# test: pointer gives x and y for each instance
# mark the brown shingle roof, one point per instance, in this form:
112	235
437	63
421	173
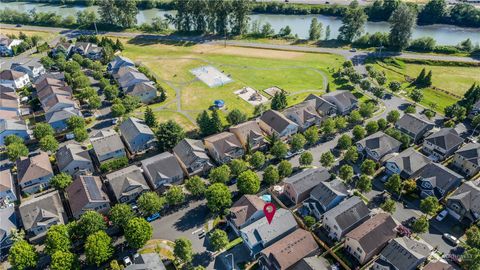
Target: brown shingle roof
85	189
33	167
245	207
11	75
276	120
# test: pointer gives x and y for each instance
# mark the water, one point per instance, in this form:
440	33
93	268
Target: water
444	34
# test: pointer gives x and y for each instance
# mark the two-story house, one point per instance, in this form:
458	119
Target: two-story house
7	44
163	169
464	203
442	143
131	77
73	159
344	101
138	137
378	145
303	114
13	127
298	186
467	159
224	147
89	50
32	67
107	145
322	106
40	213
324	197
436	180
192	157
7	188
86	194
117	63
342	218
145	91
413	126
370	237
403	254
9	223
14	79
245	211
407	163
260	234
34	173
250	134
127	184
275	123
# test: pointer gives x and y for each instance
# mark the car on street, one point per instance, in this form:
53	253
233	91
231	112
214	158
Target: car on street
69	136
153	217
18	25
127	261
353	50
450	238
87	114
441	216
291	154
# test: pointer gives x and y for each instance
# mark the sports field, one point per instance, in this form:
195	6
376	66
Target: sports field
297	73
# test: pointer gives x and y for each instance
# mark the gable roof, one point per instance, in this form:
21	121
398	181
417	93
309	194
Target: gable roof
307	179
189	150
85	189
304	111
291	249
245	207
437	265
126	180
325	192
224	142
146	261
69	153
380	143
469	195
40	210
312	263
471	152
33	167
374	232
439	176
106	141
6	181
11	75
348	212
8	221
132	127
276	120
162	166
140	88
248	131
341	98
405	253
321	105
410	161
413	123
6	124
62	115
445	138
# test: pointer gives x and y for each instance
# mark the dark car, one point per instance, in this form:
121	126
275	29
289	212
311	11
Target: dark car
18	25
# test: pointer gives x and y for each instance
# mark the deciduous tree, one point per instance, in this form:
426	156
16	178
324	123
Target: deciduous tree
271	175
218	197
196	186
175	195
220	174
285	169
183	250
248	182
346	173
327	159
137	232
61	181
150	203
120	214
98	248
22	255
306	158
218	239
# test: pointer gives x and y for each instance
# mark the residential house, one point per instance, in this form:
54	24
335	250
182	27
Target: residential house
117	63
378	145
370	237
245	211
40	213
162	170
342	218
192	157
467	159
8	222
131	78
303	114
48	80
9	104
7	44
223	147
442	143
122	71
250	134
464	203
33	68
322	106
34	173
63	47
313	263
107	145
73	159
403	254
89	50
324	197
437	180
146	91
407	163
58	120
344	101
138	137
413	126
298	186
85	194
275	123
437	265
55	104
13	127
146	261
127	184
14	79
289	251
260	235
7	187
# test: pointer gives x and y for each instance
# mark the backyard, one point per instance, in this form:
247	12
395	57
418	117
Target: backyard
295	72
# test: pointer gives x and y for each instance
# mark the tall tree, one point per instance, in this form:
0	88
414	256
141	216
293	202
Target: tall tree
22	255
149	117
216	122
108	11
240	16
315	31
433	12
352	22
402	22
137	232
98	248
63	260
279	101
168	135
236	116
218	239
150	203
61	181
183	250
127	13
120	214
218	197
248	182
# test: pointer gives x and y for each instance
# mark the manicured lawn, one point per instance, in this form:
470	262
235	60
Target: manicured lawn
163	116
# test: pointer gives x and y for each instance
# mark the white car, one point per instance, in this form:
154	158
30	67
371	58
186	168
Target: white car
441	216
450	238
127	261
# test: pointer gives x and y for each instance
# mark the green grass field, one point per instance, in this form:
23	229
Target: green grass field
296	72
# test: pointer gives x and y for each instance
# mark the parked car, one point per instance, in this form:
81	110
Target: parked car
353	50
87	114
291	154
384	178
69	136
441	216
450	238
153	217
127	261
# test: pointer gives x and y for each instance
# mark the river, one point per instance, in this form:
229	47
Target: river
444	34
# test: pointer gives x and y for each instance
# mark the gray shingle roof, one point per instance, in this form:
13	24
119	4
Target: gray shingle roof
69	153
42	209
33	167
341	98
188	151
127	180
132	127
63	114
380	143
85	189
412	123
8	221
321	105
470	152
410	161
445	138
12	125
348	212
325	192
140	88
162	166
304	111
276	120
245	207
469	194
106	141
440	176
405	253
307	179
224	143
147	261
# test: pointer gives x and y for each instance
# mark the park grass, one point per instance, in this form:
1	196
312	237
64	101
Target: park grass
45	35
163	116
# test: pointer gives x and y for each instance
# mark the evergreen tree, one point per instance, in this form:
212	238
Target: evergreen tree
216	122
402	22
204	123
327	32
315	30
149	117
279	101
421	77
352	22
428	79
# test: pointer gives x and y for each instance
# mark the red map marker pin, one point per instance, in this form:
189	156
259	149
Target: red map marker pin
269	211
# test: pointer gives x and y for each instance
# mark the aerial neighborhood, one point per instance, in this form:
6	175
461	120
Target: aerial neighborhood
128	145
